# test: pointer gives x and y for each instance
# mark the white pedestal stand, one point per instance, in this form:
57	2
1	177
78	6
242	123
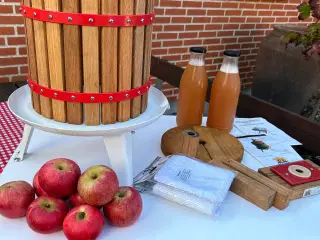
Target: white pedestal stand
117	137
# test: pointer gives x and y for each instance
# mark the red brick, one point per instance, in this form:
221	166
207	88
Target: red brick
230	26
212	4
172	57
159	11
229	5
249	13
13	61
228	40
167	35
263	26
2	41
162	20
192	42
254	19
21	30
194	27
233	12
211	41
19	78
174	28
7	52
238	19
257	32
175	11
264	13
192	4
161	51
6	9
181	19
268	19
170	3
247	26
246	6
234	46
213	26
220	19
22	51
215	12
201	19
291	14
172	43
262	6
290	7
177	50
277	6
24	69
279	13
282	19
245	39
157	28
188	35
156	44
6	30
225	33
241	33
247	45
8	71
196	12
182	64
4	79
11	19
207	34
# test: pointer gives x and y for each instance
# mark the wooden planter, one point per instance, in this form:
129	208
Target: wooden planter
71	57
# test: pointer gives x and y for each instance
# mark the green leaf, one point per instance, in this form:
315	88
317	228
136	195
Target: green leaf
304	11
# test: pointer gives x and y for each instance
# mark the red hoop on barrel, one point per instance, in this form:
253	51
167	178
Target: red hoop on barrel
81	19
88	97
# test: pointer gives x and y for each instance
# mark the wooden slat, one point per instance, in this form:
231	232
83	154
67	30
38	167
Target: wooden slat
73	62
138	53
40	37
90	45
125	60
283	196
147	55
109	62
32	62
56	63
244	186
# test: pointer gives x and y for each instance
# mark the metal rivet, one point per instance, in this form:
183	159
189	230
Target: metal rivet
55	94
50	16
129	21
91	20
127	95
92	98
25	11
287	174
31	85
70	19
110	98
73	97
142	20
41	90
139	93
20	9
111	21
34	14
311	169
151	19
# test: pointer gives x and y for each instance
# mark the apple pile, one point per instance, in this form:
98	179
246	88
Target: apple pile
59	180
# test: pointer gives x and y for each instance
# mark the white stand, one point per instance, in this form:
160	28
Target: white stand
117	137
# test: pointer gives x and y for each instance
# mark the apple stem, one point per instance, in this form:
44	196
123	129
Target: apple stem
81	215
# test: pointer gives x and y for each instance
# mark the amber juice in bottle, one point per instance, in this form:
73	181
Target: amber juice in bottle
193	88
225	93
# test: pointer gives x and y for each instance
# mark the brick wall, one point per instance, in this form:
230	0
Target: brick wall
217	25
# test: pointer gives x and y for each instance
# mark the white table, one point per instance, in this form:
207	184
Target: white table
162	219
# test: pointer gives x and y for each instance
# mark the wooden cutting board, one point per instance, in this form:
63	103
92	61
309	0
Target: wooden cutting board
213	145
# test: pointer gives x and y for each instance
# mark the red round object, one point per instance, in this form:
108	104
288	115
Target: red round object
81	19
88	97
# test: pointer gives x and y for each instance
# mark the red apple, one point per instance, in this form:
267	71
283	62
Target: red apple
75	200
125	207
59	177
15	198
39	191
83	223
45	214
97	185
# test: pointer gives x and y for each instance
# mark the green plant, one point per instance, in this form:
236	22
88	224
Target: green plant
310	39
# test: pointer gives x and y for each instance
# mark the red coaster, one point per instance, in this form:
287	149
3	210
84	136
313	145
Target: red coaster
297	172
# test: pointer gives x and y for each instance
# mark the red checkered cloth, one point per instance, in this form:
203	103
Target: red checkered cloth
11	130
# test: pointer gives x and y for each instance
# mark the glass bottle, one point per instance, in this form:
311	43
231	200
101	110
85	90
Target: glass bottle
193	89
225	93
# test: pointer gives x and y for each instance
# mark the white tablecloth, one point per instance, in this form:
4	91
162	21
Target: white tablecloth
161	219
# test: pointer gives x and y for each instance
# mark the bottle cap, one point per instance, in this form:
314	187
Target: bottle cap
198	50
232	53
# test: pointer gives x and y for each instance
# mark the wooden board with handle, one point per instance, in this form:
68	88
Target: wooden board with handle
73	62
40	37
138	53
125	60
109	62
91	69
32	61
56	63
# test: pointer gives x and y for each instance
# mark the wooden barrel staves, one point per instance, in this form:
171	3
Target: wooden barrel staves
89	60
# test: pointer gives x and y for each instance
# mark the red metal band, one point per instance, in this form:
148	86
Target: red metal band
88	97
87	19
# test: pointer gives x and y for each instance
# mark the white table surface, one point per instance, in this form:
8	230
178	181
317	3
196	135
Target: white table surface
162	219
